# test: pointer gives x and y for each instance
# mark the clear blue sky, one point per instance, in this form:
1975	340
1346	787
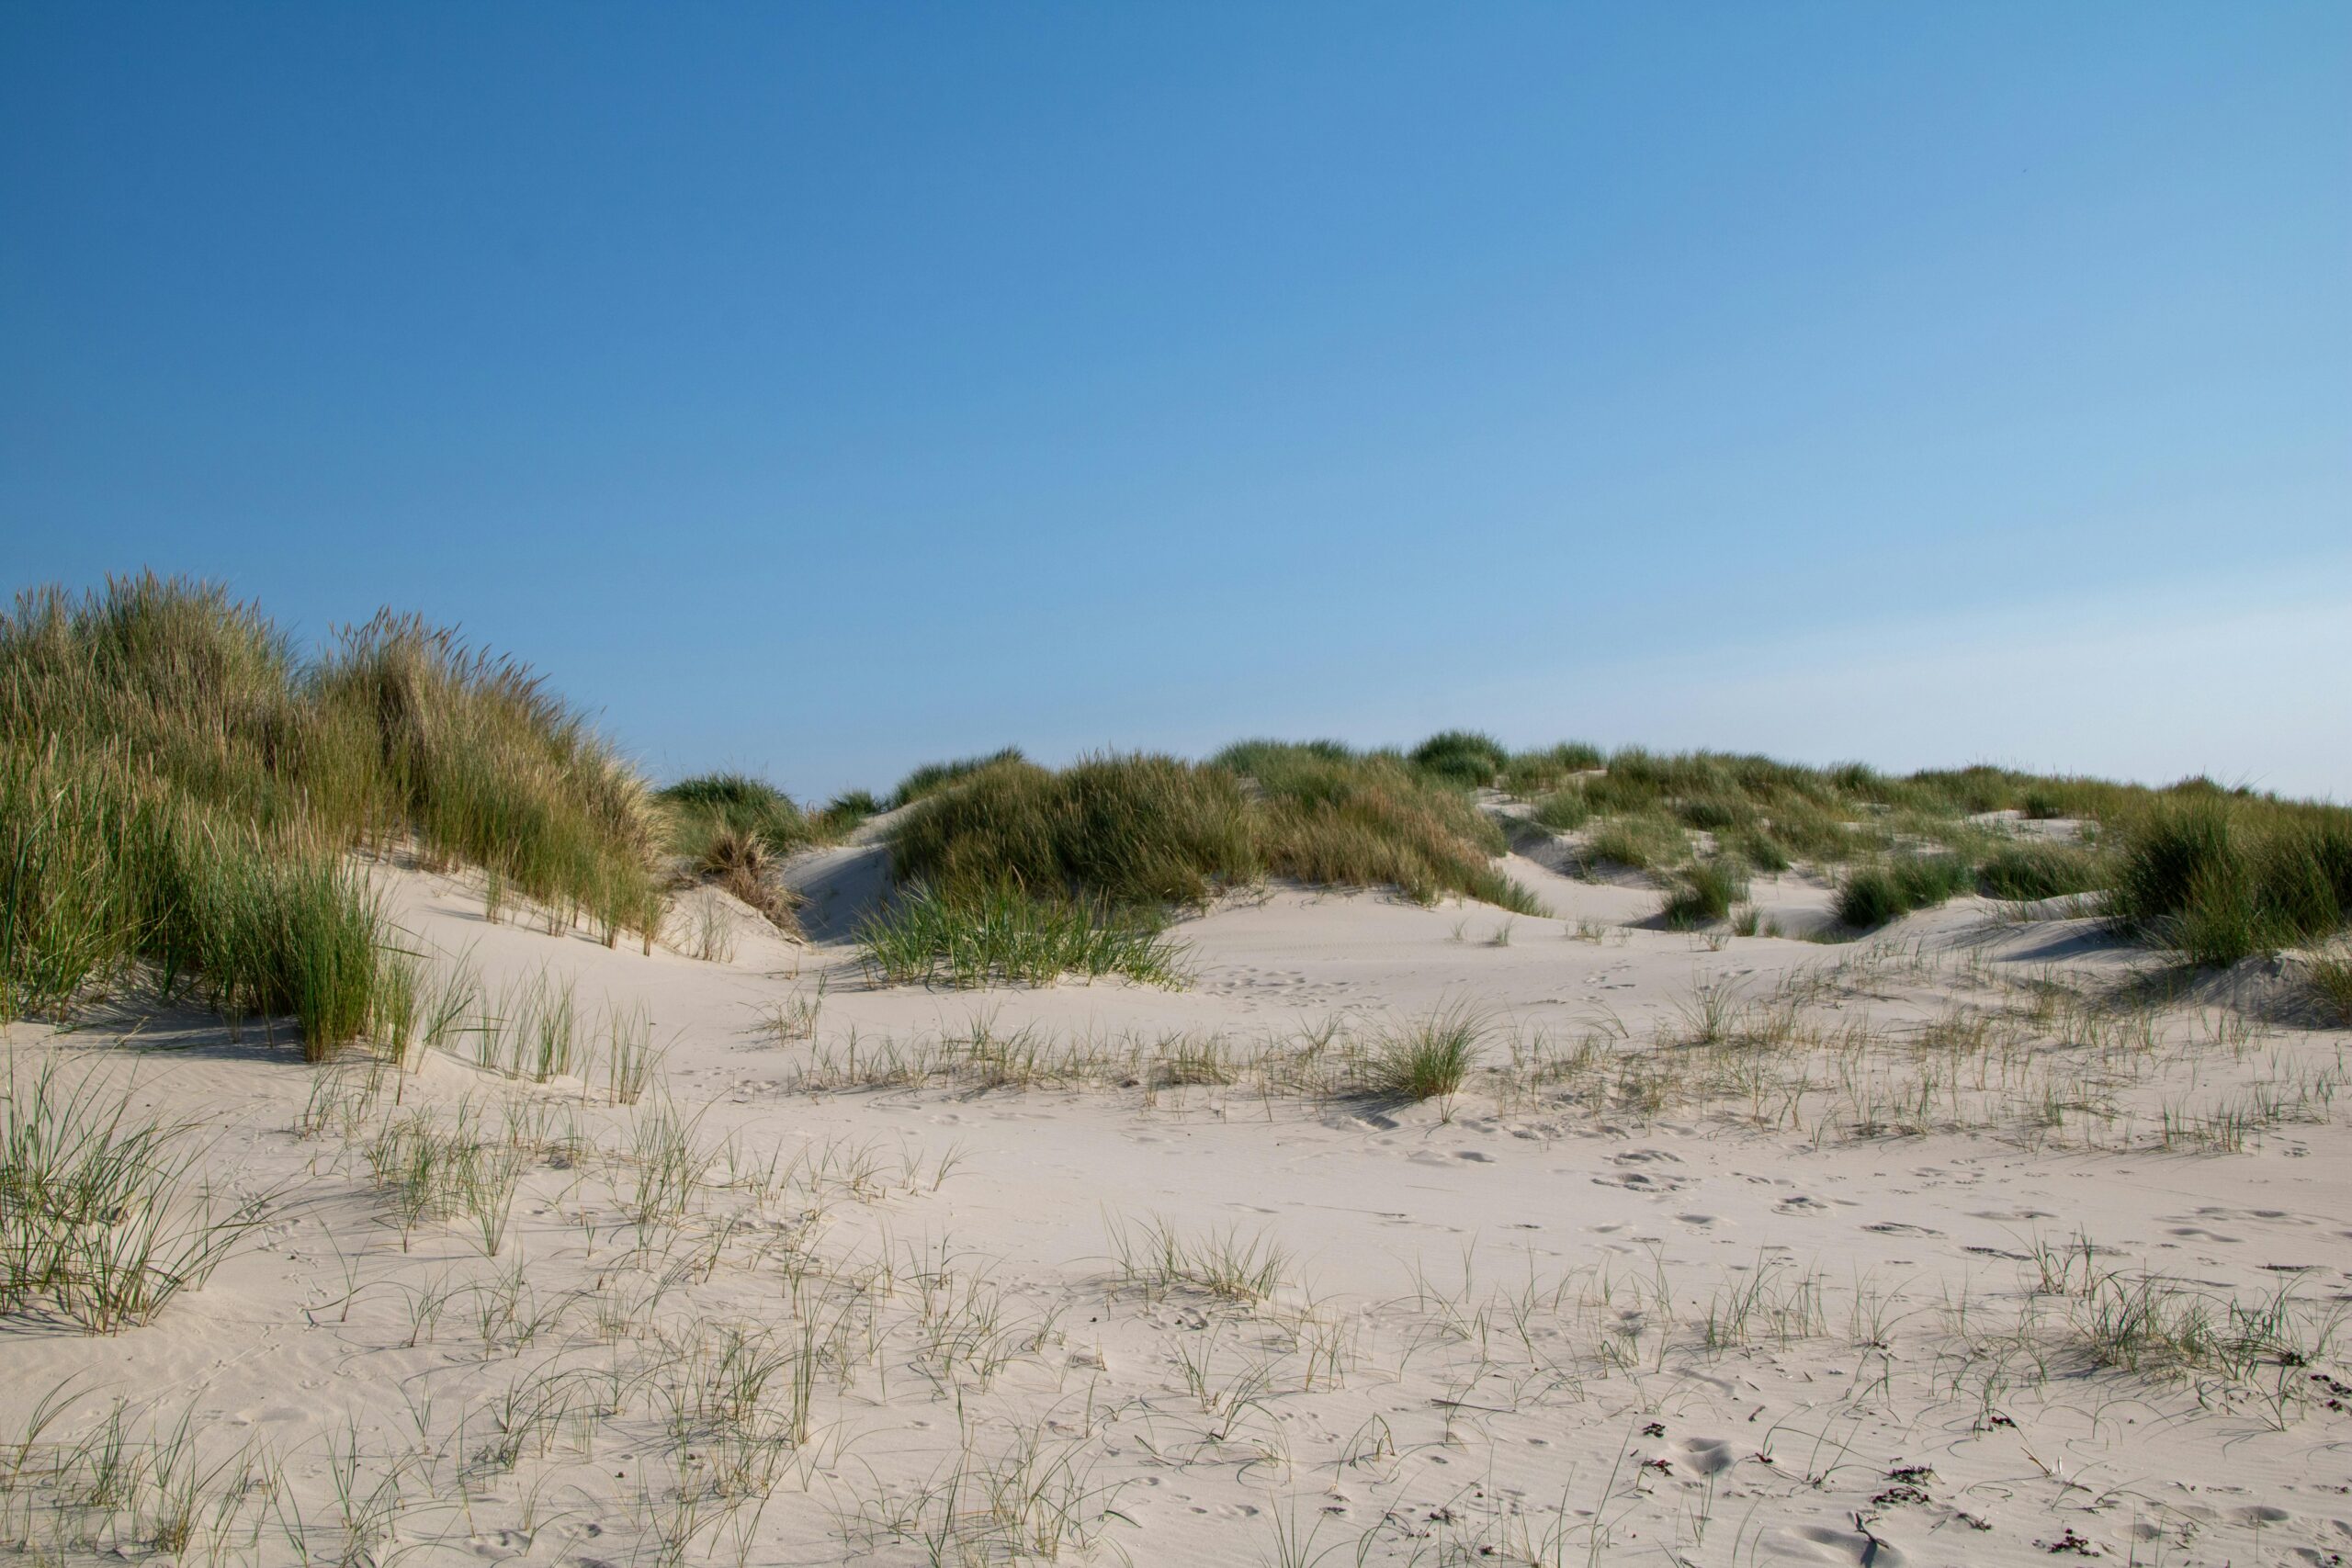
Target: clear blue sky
822	389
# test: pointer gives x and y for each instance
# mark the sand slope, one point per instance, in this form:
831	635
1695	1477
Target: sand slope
1745	1251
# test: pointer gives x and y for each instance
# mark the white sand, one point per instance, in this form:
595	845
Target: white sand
1491	1340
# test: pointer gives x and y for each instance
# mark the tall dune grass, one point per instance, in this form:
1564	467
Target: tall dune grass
178	791
1138	830
2220	879
933	777
1156	830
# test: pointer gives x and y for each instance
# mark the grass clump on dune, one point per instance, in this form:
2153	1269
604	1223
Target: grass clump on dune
732	829
986	935
933	777
1877	894
1463	757
1141	830
486	766
1702	894
1563	811
1636	843
1145	833
1356	821
1138	830
2030	871
2218	880
1429	1058
708	806
2331	985
178	791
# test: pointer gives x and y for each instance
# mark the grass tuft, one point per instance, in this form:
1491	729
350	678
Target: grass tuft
1429	1058
970	937
1703	894
1877	894
2029	871
2331	984
2218	879
1465	758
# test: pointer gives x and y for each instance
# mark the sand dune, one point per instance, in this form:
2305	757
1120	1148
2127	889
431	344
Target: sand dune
1948	1246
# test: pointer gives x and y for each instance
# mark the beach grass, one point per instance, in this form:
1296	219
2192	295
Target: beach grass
968	937
1703	894
179	791
1873	895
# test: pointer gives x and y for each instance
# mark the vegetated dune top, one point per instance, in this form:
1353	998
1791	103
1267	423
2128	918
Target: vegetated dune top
1681	1262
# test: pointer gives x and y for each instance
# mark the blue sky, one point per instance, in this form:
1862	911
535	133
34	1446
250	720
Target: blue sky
821	389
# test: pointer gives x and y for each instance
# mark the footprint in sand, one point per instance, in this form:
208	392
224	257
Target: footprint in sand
1825	1543
1898	1227
1706	1456
1800	1205
1642	1181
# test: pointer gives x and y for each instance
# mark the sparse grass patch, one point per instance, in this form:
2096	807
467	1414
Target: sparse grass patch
1161	1259
2216	872
101	1217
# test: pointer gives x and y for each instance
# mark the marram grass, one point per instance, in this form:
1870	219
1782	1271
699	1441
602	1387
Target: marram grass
970	937
179	793
1144	830
2213	874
